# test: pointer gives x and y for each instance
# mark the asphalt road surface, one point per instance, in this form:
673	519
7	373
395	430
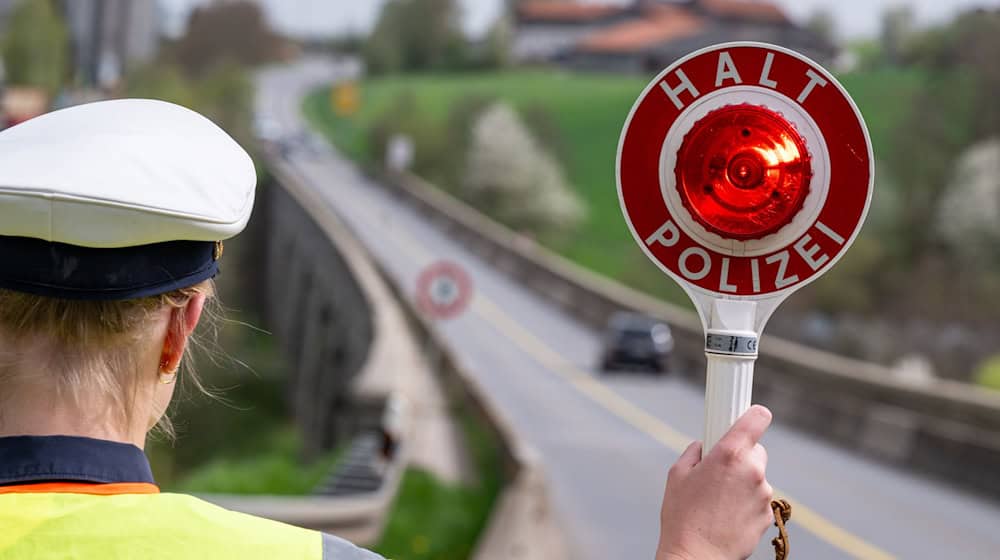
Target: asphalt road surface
607	441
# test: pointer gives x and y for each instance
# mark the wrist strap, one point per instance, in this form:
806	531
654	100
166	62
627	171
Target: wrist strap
782	513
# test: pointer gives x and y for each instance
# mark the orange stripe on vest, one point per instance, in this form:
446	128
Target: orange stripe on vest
82	488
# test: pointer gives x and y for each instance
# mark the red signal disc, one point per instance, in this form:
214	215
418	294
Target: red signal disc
781	247
746	172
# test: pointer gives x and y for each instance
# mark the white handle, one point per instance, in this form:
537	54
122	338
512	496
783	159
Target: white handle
728	385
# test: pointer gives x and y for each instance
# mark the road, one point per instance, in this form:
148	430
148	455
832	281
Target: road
607	441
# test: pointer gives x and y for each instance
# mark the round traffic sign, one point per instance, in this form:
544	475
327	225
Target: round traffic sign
745	170
443	290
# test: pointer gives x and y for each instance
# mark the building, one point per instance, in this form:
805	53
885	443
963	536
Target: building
647	35
549	30
108	36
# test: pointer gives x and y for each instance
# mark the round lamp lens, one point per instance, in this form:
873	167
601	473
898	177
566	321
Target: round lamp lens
743	172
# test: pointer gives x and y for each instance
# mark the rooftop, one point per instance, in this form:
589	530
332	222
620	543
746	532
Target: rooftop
660	24
762	11
566	11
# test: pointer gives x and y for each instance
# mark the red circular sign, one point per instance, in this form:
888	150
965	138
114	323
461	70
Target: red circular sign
745	170
443	290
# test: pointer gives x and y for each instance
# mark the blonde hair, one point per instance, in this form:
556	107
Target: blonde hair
89	347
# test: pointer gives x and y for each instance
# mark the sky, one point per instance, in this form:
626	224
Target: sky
855	18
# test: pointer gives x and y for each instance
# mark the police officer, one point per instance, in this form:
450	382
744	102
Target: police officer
112	217
111	221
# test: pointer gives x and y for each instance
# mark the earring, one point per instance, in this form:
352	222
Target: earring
167	377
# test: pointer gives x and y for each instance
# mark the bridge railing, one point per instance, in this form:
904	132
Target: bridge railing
942	427
346	340
522	523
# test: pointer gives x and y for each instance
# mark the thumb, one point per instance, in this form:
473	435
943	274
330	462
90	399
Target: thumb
689	459
748	429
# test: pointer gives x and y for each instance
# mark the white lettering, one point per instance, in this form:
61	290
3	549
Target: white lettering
809	254
755	274
780	281
765	78
675	93
706	263
726	70
724	285
814	80
830	233
661	235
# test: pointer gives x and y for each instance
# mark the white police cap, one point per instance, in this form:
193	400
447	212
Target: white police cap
118	199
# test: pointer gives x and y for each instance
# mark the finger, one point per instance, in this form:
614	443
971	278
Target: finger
748	429
689	459
757	463
767	491
759	455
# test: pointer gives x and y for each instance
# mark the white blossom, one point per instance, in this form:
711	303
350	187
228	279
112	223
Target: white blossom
969	214
511	176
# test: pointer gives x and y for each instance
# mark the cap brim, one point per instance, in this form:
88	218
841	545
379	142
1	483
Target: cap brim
59	270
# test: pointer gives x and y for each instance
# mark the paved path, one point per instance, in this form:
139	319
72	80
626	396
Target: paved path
607	441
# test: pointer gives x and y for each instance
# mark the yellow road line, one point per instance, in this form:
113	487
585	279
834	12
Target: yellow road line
645	422
805	517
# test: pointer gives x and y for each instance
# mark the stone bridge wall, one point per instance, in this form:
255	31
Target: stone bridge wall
320	317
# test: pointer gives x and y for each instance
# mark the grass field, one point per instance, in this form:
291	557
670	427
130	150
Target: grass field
274	469
433	520
589	111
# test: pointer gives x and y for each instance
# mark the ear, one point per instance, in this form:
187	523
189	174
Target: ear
183	321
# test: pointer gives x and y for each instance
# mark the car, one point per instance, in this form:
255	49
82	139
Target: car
636	340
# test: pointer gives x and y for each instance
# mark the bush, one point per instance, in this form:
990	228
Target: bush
273	469
462	117
431	520
403	117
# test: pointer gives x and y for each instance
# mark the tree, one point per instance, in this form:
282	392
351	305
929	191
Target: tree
414	35
235	30
897	27
35	50
947	271
823	25
975	50
497	45
956	109
514	179
969	219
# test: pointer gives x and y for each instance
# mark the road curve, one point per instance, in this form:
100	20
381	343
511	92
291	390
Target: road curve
607	442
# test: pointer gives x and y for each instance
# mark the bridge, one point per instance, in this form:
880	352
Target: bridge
875	469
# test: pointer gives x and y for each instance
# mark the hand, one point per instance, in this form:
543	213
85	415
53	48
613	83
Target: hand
718	508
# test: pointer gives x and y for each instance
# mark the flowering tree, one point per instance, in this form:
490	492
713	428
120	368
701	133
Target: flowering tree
512	177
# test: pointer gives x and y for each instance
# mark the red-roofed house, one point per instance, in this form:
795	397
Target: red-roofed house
548	30
648	35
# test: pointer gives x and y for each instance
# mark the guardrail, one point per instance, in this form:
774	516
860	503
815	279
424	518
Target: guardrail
943	428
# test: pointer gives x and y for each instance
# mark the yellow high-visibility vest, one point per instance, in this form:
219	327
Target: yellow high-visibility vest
40	525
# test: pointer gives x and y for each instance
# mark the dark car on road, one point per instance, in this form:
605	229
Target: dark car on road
633	340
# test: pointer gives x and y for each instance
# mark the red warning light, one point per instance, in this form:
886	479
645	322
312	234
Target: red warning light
746	172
